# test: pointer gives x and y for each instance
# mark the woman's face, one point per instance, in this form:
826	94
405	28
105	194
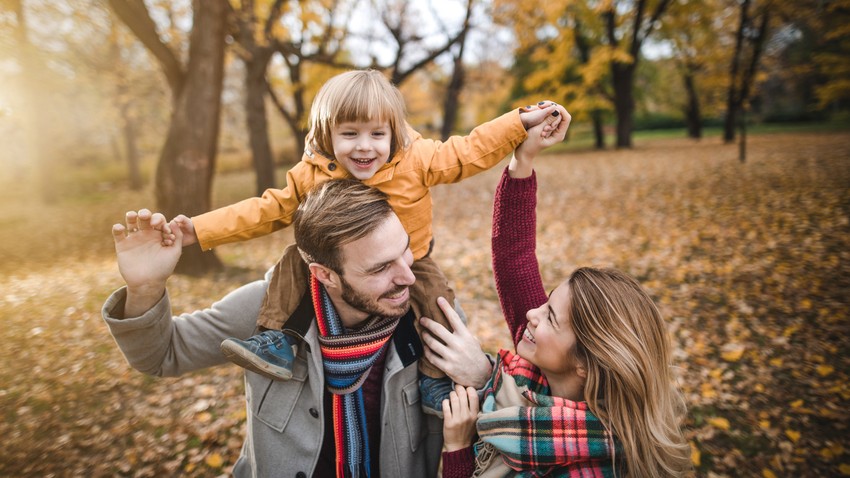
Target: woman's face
548	340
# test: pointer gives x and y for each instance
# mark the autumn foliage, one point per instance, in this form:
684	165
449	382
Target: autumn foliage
749	263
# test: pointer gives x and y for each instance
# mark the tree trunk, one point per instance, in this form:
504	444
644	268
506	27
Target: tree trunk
693	117
598	129
733	101
451	106
257	122
129	131
624	102
742	144
34	105
187	161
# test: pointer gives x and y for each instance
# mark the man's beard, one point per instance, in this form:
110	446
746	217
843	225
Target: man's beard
370	306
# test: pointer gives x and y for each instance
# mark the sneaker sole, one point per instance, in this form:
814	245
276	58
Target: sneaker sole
254	363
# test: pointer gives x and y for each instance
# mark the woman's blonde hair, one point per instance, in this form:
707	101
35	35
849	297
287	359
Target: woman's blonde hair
359	95
623	343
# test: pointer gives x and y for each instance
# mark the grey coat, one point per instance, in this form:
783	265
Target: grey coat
285	419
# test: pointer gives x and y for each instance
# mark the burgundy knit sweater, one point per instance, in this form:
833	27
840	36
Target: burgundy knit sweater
517	275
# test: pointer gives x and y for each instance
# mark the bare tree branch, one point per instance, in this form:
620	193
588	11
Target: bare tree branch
135	15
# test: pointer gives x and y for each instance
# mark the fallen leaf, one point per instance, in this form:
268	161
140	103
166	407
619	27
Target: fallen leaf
719	422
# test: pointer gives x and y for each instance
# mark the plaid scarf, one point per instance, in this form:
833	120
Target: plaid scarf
535	433
347	358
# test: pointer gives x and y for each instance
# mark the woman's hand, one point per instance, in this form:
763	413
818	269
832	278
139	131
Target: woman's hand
460	412
539	138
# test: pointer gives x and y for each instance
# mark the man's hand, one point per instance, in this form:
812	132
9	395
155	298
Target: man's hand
143	261
459	355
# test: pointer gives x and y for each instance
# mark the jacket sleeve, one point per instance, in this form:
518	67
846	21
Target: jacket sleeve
157	343
515	268
256	216
460	157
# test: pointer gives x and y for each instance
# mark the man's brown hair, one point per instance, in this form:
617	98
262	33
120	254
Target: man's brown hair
335	213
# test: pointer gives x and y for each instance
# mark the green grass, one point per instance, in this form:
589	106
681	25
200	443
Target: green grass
581	135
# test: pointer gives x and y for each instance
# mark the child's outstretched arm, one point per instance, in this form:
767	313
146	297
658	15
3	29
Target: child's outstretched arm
539	138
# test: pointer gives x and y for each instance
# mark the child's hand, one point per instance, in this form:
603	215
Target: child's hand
533	115
538	139
186	227
460	412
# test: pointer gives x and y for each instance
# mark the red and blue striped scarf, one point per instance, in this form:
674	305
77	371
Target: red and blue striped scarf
347	358
537	434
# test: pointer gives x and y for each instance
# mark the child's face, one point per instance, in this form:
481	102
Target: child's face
362	147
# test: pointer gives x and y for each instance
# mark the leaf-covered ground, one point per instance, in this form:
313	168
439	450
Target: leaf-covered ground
749	263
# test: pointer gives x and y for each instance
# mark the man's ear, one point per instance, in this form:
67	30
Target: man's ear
326	276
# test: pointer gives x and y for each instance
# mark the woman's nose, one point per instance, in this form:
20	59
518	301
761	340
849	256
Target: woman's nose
531	315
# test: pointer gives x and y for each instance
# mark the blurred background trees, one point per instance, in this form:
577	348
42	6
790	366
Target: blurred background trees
165	94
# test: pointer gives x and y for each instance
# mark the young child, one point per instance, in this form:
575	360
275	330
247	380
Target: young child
358	129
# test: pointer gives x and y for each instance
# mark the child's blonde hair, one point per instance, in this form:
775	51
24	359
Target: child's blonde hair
356	96
622	341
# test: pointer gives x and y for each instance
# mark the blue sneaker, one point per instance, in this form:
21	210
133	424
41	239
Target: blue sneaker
270	354
432	391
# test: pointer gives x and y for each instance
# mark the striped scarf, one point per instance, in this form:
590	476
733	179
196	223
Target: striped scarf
347	358
535	433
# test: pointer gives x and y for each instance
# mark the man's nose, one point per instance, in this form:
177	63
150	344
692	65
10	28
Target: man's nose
405	276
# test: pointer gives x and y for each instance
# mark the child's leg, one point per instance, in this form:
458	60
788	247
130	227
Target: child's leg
430	284
286	287
434	385
272	351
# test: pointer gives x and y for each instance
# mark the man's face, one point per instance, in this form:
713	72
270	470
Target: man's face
376	275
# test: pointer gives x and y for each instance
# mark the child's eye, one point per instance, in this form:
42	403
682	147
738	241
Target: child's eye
379	133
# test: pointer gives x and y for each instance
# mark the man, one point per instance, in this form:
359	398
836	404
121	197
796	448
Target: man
352	406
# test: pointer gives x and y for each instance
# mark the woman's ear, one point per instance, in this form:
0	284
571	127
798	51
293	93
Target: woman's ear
325	275
581	371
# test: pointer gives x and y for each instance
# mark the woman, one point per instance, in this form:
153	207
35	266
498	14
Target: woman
590	390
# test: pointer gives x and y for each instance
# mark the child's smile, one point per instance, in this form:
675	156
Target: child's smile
362	147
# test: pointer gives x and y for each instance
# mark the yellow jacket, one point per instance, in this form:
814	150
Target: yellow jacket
406	179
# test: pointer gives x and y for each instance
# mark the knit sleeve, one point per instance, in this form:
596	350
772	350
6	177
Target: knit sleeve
515	266
458	464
